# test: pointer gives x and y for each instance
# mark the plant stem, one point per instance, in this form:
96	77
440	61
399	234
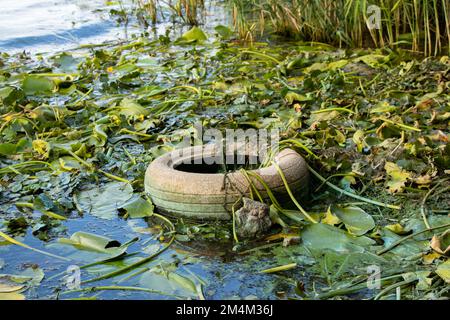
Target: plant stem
396	243
352	195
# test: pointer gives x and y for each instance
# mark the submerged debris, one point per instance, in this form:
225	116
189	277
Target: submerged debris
252	220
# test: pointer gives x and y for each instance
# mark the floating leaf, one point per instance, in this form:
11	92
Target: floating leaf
330	218
356	220
34	85
383	107
397	177
92	242
168	281
138	208
194	35
223	31
443	270
8	285
42	148
7	149
129	107
104	201
397	228
325	237
424	281
11	296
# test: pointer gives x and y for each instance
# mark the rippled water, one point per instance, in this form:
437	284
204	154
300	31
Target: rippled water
49	26
42	25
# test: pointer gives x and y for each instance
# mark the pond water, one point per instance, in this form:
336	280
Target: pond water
39	26
47	26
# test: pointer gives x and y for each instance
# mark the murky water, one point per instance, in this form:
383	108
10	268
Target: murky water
38	26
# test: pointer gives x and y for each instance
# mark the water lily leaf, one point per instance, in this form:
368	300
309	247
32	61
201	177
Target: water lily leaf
405	249
139	208
443	270
383	107
168	281
397	177
194	35
337	64
325	237
66	163
373	60
104	201
292	97
7	149
34	85
430	258
356	220
34	274
99	136
5	92
42	148
224	32
129	107
11	296
66	62
441	244
7	285
95	243
424	281
330	218
397	228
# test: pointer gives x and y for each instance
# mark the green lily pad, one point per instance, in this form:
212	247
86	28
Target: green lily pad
104	201
443	270
356	220
95	243
194	35
325	237
34	85
138	208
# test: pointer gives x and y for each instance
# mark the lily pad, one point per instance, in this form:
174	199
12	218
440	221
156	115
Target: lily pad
443	270
92	242
138	208
325	237
356	220
104	201
194	35
34	85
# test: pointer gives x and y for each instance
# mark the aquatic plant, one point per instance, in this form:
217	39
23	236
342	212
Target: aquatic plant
421	25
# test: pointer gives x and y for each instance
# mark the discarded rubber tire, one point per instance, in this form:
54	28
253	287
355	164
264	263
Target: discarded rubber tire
210	196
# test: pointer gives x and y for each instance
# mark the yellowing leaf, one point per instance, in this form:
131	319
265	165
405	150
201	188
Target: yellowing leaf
397	177
397	228
330	218
443	270
42	148
11	296
429	258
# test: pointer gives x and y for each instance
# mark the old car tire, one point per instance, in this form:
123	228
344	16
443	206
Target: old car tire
212	195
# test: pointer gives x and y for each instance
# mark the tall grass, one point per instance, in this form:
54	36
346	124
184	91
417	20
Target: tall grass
421	25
